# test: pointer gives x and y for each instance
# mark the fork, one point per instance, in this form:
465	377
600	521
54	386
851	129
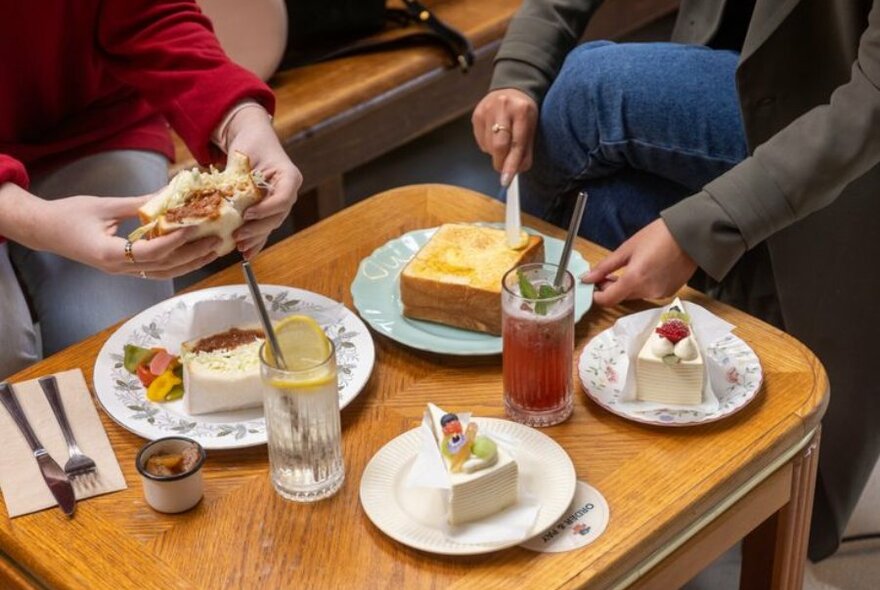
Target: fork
79	463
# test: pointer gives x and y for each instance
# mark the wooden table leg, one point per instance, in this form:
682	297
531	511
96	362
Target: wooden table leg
775	553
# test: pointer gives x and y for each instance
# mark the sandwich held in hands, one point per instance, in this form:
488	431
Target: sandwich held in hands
212	202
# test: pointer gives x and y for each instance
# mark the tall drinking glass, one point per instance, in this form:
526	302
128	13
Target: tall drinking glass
538	344
303	427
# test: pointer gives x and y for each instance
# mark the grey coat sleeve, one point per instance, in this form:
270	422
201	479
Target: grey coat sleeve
537	41
801	169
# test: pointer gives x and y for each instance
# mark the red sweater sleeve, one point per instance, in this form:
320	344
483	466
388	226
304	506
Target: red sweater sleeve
167	50
11	170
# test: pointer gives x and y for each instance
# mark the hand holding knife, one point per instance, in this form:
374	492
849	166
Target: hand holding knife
55	478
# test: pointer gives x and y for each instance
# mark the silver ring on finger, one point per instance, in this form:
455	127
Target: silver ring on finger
498	128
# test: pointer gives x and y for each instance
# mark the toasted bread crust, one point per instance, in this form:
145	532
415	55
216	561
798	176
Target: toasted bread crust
469	302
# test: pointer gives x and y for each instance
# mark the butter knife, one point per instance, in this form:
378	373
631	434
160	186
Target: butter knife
54	476
512	222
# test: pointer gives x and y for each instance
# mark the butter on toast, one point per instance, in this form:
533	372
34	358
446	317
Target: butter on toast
455	279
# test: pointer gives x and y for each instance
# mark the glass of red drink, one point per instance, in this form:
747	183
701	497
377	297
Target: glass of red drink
538	344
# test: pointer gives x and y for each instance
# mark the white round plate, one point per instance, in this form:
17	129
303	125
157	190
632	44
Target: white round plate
124	398
544	468
602	362
376	295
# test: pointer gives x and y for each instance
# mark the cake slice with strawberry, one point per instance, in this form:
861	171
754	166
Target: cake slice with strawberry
669	367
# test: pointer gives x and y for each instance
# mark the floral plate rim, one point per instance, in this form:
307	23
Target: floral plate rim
678	418
225	430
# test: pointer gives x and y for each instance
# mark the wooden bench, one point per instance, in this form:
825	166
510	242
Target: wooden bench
335	116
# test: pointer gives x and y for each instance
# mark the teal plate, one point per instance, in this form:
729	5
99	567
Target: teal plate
376	294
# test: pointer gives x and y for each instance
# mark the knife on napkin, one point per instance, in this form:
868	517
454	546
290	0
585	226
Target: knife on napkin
512	223
55	478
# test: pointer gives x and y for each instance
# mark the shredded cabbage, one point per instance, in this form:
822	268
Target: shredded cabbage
244	358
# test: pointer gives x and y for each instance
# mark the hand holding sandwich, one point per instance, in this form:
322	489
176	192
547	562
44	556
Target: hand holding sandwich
241	204
83	228
250	132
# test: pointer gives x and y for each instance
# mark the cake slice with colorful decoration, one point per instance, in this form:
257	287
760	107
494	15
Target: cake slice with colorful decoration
482	475
669	367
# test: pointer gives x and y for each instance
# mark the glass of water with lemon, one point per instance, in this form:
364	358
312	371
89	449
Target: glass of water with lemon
301	404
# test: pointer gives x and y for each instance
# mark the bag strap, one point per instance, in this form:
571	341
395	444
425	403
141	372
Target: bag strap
434	31
457	44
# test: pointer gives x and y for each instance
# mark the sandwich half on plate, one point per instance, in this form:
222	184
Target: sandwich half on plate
213	202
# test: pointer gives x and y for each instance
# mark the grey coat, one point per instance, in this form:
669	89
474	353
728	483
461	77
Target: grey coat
809	87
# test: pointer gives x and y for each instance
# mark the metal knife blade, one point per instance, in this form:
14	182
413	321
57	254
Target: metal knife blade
58	482
512	223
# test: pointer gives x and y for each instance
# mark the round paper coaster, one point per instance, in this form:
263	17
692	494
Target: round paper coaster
583	522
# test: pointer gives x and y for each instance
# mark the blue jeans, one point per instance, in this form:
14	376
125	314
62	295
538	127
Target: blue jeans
640	126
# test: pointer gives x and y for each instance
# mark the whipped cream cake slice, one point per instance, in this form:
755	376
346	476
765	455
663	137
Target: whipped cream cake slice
669	367
483	476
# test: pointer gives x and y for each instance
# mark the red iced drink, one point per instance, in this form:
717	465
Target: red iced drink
538	336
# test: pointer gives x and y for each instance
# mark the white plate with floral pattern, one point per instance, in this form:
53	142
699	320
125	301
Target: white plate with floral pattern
124	398
604	360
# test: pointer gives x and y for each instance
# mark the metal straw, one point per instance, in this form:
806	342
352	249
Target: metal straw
264	315
573	226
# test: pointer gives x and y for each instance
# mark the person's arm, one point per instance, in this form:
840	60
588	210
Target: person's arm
539	37
801	169
531	55
83	229
166	49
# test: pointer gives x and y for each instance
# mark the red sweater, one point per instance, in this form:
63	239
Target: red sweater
84	76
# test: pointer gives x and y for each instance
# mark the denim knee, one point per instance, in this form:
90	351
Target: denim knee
569	128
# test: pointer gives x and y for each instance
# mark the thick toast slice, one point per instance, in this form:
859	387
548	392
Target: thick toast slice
455	279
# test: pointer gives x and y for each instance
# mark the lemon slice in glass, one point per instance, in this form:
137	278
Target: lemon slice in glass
305	348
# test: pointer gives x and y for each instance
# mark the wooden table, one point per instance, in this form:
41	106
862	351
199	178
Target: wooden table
678	496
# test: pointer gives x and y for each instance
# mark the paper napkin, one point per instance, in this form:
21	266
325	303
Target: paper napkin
24	490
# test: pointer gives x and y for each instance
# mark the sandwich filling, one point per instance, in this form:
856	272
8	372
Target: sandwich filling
204	203
222	371
212	200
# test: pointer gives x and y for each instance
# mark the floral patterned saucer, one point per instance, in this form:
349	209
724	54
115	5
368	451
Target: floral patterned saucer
124	398
603	363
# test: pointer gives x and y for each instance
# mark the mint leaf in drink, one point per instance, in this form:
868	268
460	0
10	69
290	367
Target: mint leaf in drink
547	292
526	288
544	292
528	291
